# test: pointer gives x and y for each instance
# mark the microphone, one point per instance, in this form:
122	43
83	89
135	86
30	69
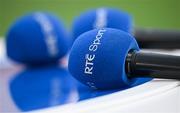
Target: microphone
110	58
156	38
37	38
114	18
101	18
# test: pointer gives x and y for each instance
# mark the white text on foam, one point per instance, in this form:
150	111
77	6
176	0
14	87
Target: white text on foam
91	56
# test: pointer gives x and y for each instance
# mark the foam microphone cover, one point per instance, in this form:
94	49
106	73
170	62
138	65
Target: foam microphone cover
97	58
102	17
37	38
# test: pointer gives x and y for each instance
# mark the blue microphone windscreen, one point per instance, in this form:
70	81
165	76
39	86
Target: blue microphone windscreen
100	18
97	58
37	38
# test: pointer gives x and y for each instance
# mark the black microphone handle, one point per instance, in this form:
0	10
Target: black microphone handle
144	64
158	39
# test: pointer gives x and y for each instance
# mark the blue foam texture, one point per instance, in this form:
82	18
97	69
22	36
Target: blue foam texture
106	63
37	88
113	18
37	38
50	85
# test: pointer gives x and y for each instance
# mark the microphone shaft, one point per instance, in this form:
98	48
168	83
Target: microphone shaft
142	64
161	39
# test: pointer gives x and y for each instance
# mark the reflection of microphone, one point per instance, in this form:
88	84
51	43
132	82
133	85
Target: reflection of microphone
110	58
42	87
113	18
37	38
